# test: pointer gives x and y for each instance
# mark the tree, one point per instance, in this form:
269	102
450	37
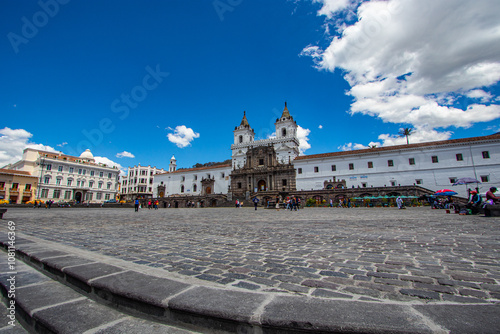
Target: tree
406	132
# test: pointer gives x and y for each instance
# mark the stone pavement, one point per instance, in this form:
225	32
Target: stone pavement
318	268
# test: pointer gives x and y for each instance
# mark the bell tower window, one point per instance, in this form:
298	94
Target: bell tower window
283	132
240	138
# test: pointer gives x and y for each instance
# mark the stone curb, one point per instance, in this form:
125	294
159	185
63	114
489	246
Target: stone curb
225	310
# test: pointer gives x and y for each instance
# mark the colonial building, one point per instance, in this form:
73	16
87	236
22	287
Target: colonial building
17	186
432	165
138	183
271	167
69	178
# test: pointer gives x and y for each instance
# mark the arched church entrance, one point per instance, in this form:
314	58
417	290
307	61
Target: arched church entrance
262	185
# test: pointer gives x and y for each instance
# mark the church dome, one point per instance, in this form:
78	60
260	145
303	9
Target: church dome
87	155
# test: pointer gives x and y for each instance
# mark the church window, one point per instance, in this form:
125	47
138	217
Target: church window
434	159
241	139
299	171
261	162
390	163
284	182
283	132
194	187
370	164
334	168
411	161
351	166
182	189
316	169
239	185
486	154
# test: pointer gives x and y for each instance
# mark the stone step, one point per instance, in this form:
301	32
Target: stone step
66	290
44	305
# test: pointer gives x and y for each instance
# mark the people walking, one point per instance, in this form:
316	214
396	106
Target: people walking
136	205
255	202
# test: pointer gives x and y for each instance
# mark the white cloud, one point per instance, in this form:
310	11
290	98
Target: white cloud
62	144
479	94
320	127
125	154
111	163
408	61
13	142
419	135
303	139
182	136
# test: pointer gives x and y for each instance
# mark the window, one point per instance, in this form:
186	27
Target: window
316	169
83	184
67	194
370	164
183	178
92	173
98	196
57	194
418	181
239	185
27	187
101	174
49	167
46	180
58	181
351	166
71	169
45	193
80	171
411	161
261	162
108	186
91	184
486	154
195	188
196	177
70	182
364	184
434	159
99	185
2	185
107	197
15	186
283	133
151	181
299	171
89	196
78	183
393	183
485	178
110	175
453	179
240	139
390	163
460	157
182	189
283	182
334	168
60	168
84	172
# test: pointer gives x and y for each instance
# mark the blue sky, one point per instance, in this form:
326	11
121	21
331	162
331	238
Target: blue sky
140	81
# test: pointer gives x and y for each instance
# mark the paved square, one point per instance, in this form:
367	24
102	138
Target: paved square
413	255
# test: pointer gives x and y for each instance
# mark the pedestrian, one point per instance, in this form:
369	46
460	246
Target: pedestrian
149	205
331	203
399	202
490	196
255	202
136	205
156	205
237	204
277	203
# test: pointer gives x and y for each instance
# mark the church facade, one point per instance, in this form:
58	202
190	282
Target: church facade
269	167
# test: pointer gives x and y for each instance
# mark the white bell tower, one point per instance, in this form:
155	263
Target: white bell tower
173	164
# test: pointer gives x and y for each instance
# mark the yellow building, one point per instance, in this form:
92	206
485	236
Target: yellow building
17	186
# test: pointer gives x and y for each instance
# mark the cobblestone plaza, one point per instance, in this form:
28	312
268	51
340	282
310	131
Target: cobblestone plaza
413	255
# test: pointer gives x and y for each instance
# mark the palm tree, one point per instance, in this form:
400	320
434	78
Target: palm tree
406	132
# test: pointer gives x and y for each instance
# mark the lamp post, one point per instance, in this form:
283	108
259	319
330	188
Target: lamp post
41	163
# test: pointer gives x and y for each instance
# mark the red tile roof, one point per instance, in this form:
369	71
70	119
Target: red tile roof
15	172
400	147
195	169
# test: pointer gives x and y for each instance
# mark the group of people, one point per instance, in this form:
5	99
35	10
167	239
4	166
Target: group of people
38	204
475	202
151	204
